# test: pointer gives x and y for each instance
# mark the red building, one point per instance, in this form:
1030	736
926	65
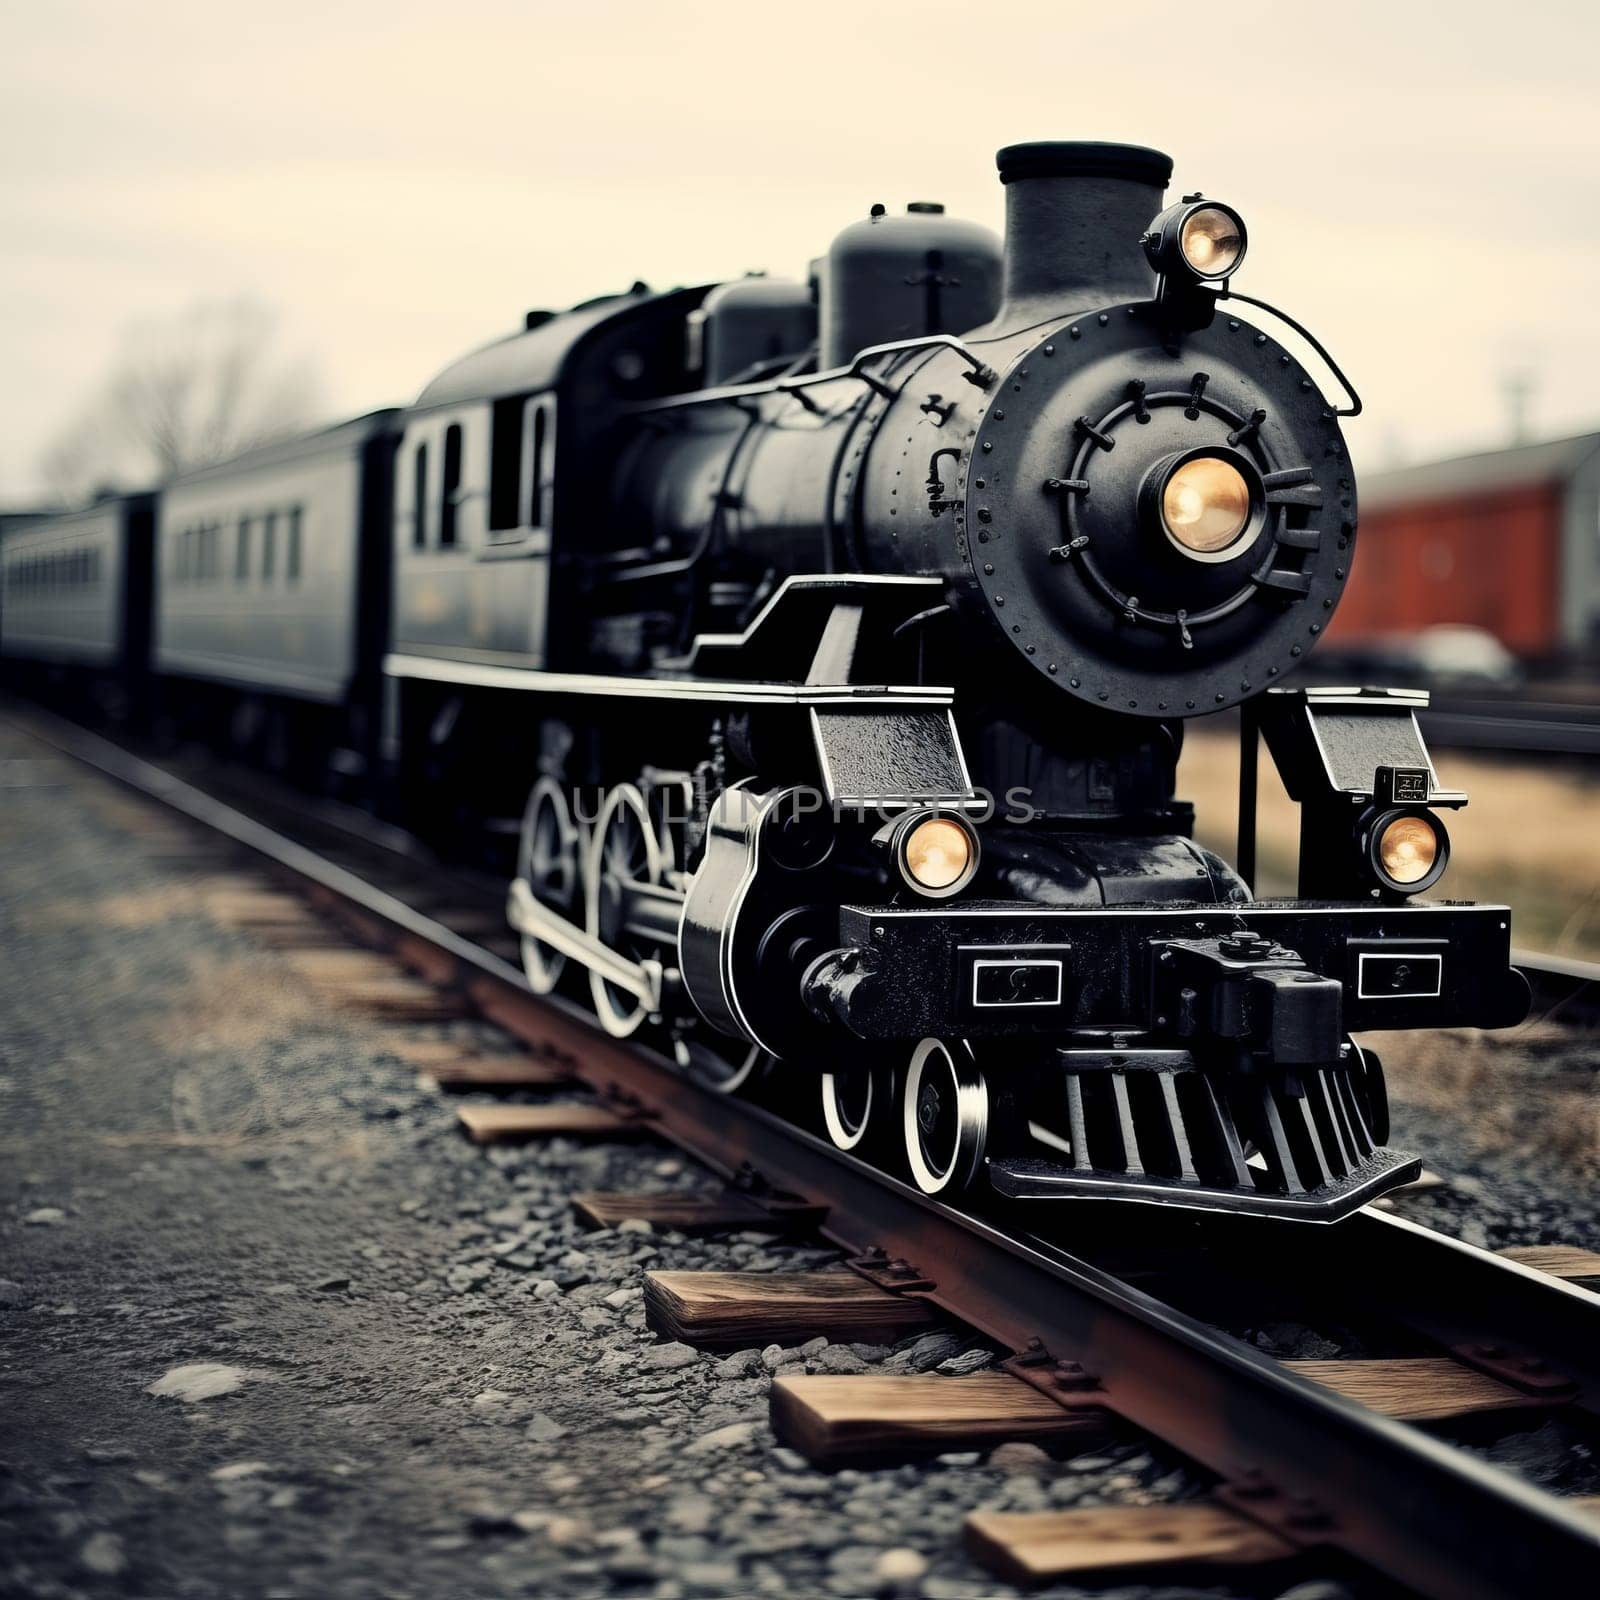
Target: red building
1508	541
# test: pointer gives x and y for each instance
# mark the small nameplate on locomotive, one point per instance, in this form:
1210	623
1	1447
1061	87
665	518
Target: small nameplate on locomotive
1410	786
1401	975
1013	978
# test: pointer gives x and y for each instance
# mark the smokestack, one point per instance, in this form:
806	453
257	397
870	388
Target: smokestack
1075	213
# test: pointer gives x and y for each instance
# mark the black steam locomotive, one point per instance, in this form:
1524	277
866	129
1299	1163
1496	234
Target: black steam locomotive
834	641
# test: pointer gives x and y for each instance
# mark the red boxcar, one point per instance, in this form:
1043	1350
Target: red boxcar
1508	541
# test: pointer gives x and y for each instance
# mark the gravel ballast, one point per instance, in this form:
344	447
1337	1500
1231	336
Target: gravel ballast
269	1327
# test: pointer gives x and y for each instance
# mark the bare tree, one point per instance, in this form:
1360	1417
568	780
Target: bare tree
184	391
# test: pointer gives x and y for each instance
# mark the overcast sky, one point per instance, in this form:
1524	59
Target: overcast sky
402	180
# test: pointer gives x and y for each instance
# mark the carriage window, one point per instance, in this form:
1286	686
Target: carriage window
241	552
450	484
505	463
291	558
419	498
269	544
535	517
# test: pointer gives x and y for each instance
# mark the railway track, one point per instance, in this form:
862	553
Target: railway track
1542	719
1514	727
1513	724
1114	1318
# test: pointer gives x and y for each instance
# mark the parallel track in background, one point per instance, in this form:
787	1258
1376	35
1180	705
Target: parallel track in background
1513	727
1088	1286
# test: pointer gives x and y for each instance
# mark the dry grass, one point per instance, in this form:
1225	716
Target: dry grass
1529	837
1530	1090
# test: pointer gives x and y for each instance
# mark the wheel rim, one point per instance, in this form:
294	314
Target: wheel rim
660	813
624	848
945	1108
847	1107
726	1074
547	860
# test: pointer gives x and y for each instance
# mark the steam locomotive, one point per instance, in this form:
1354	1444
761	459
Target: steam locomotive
833	642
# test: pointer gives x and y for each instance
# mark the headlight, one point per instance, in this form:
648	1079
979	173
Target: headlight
1205	505
937	855
1196	241
1408	850
1212	241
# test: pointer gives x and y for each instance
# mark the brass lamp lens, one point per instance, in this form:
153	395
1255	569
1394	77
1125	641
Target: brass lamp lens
1212	242
938	852
1206	505
1408	848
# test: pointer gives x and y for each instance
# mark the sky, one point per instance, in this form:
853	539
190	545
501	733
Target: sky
402	181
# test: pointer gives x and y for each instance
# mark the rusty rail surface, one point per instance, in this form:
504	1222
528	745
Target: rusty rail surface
1313	1466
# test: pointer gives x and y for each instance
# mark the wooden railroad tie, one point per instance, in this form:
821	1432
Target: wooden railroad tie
1569	1261
399	997
1036	1547
308	934
738	1310
688	1213
1042	1546
1417	1389
257	908
345	964
832	1419
835	1419
373	983
519	1124
453	1066
506	1071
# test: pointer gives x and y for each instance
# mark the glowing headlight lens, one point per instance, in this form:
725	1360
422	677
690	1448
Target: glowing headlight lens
1212	242
1408	848
1206	505
938	853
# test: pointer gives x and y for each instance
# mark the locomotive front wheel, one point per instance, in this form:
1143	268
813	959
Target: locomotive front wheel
848	1104
726	1073
547	861
945	1116
623	851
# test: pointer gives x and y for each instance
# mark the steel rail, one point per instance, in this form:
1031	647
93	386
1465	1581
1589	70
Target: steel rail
1427	1514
